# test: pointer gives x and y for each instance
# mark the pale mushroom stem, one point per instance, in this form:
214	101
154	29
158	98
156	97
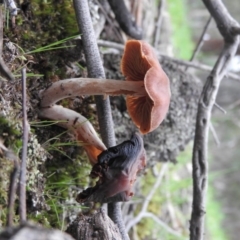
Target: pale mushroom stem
90	86
79	126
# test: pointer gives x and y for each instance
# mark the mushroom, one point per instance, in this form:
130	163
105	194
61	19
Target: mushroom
140	63
147	87
79	126
117	170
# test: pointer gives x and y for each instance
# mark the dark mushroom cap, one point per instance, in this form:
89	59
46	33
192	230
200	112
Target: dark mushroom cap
117	170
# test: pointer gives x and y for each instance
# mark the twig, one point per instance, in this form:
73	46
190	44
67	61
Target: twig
110	44
201	40
147	200
234	104
12	192
225	24
12	183
199	66
220	108
215	136
1	29
125	19
22	188
3	68
159	23
137	10
110	21
161	223
95	70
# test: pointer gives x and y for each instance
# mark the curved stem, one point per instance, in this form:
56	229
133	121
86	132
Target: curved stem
89	86
78	125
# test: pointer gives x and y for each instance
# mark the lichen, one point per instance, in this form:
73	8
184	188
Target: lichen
10	133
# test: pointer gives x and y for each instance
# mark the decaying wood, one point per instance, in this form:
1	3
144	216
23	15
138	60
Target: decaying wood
33	232
94	226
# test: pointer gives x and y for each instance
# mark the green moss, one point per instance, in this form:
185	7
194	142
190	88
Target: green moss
9	133
10	136
53	20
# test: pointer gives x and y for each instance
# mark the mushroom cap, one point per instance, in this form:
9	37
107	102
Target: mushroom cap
140	63
117	170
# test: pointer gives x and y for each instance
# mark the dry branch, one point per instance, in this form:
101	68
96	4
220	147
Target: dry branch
3	67
201	40
227	27
163	57
96	70
12	192
159	23
22	182
125	19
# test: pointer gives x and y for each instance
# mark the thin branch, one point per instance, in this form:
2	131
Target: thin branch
199	66
149	197
234	104
159	23
220	108
201	40
161	223
96	70
125	19
12	183
225	25
109	44
12	192
1	29
22	188
3	68
163	57
110	21
215	136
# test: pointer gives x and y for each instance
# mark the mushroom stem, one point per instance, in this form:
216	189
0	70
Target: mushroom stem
78	125
90	86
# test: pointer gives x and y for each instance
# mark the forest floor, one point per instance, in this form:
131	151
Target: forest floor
57	165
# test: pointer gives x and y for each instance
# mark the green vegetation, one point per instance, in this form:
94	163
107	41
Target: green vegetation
65	174
183	47
181	33
214	217
52	20
11	138
175	191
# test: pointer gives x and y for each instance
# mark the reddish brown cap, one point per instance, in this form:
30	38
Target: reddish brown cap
140	63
